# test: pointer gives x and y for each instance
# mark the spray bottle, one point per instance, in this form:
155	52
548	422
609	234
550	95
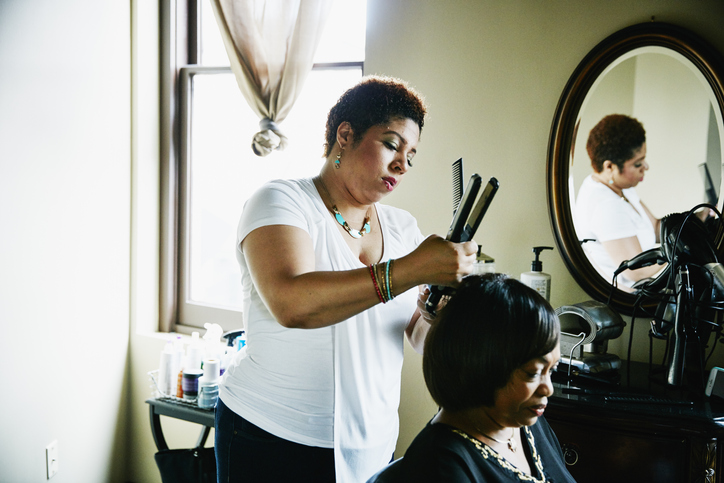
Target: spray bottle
536	278
213	347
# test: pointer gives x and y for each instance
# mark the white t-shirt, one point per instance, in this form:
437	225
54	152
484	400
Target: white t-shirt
334	387
602	215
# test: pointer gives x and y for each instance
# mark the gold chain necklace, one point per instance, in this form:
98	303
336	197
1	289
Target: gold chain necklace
487	451
340	219
510	441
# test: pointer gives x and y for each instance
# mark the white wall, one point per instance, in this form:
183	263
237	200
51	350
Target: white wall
65	192
79	193
672	100
685	118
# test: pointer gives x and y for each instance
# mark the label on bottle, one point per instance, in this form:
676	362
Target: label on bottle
208	396
179	384
542	286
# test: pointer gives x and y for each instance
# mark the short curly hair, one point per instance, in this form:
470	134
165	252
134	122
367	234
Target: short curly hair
374	100
491	326
615	138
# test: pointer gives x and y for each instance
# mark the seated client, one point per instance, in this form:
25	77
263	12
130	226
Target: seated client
487	363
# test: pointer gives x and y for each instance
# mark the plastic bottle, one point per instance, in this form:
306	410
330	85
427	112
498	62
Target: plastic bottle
178	346
536	278
190	383
483	263
178	351
194	353
213	346
192	368
180	384
209	384
191	361
240	341
167	371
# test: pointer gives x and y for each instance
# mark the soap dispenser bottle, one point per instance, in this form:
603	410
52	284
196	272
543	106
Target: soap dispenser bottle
536	278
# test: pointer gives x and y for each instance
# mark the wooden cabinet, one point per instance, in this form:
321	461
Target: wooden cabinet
607	438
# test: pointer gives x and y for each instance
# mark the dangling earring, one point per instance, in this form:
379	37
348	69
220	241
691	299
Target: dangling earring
336	161
610	181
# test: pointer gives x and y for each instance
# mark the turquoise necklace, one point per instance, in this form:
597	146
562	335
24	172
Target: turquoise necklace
342	222
352	232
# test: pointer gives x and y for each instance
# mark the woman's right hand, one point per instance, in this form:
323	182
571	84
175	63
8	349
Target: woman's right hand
298	296
437	261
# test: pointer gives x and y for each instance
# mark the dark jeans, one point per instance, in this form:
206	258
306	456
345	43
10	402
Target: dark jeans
247	453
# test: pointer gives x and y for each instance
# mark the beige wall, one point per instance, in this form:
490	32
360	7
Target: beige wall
492	73
79	193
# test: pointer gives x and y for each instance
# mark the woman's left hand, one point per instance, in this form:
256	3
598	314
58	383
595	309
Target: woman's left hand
424	313
422	320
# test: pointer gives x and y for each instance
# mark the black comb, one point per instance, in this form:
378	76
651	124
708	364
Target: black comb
457	183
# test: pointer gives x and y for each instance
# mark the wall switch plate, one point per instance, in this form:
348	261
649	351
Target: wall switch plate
51	458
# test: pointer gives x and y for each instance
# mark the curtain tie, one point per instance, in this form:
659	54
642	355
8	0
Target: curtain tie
268	139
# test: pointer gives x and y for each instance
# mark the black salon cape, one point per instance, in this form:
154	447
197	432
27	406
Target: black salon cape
439	455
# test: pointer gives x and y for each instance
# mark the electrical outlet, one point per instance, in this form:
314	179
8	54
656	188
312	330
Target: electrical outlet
51	458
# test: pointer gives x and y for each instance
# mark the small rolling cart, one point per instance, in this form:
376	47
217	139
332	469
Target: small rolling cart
192	465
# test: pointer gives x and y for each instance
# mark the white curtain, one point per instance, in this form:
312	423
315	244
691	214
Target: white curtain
271	45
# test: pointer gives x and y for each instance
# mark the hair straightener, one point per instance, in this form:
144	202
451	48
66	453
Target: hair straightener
465	222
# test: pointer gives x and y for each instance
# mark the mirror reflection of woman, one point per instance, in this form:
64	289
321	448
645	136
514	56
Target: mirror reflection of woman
610	218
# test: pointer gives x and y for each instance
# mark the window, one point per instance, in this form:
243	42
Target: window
212	170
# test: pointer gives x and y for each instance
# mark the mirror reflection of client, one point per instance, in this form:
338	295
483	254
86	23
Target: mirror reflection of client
608	210
487	363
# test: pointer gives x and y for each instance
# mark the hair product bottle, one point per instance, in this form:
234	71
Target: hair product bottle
483	263
167	371
209	384
536	278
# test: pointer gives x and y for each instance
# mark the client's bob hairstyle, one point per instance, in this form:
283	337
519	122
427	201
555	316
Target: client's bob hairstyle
491	326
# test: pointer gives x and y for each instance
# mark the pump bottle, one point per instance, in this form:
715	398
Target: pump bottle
483	263
536	278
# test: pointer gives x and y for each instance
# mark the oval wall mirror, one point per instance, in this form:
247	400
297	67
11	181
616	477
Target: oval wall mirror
672	82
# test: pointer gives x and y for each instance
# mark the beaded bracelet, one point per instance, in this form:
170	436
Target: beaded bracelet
388	278
374	281
382	281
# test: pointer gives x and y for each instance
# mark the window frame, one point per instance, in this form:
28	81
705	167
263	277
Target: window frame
180	24
229	319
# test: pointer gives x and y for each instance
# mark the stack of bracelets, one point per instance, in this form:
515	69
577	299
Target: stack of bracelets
383	280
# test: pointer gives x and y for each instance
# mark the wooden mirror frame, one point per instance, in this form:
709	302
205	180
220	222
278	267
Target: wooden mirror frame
711	65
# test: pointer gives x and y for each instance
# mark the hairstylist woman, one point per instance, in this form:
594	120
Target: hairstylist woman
327	277
608	209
